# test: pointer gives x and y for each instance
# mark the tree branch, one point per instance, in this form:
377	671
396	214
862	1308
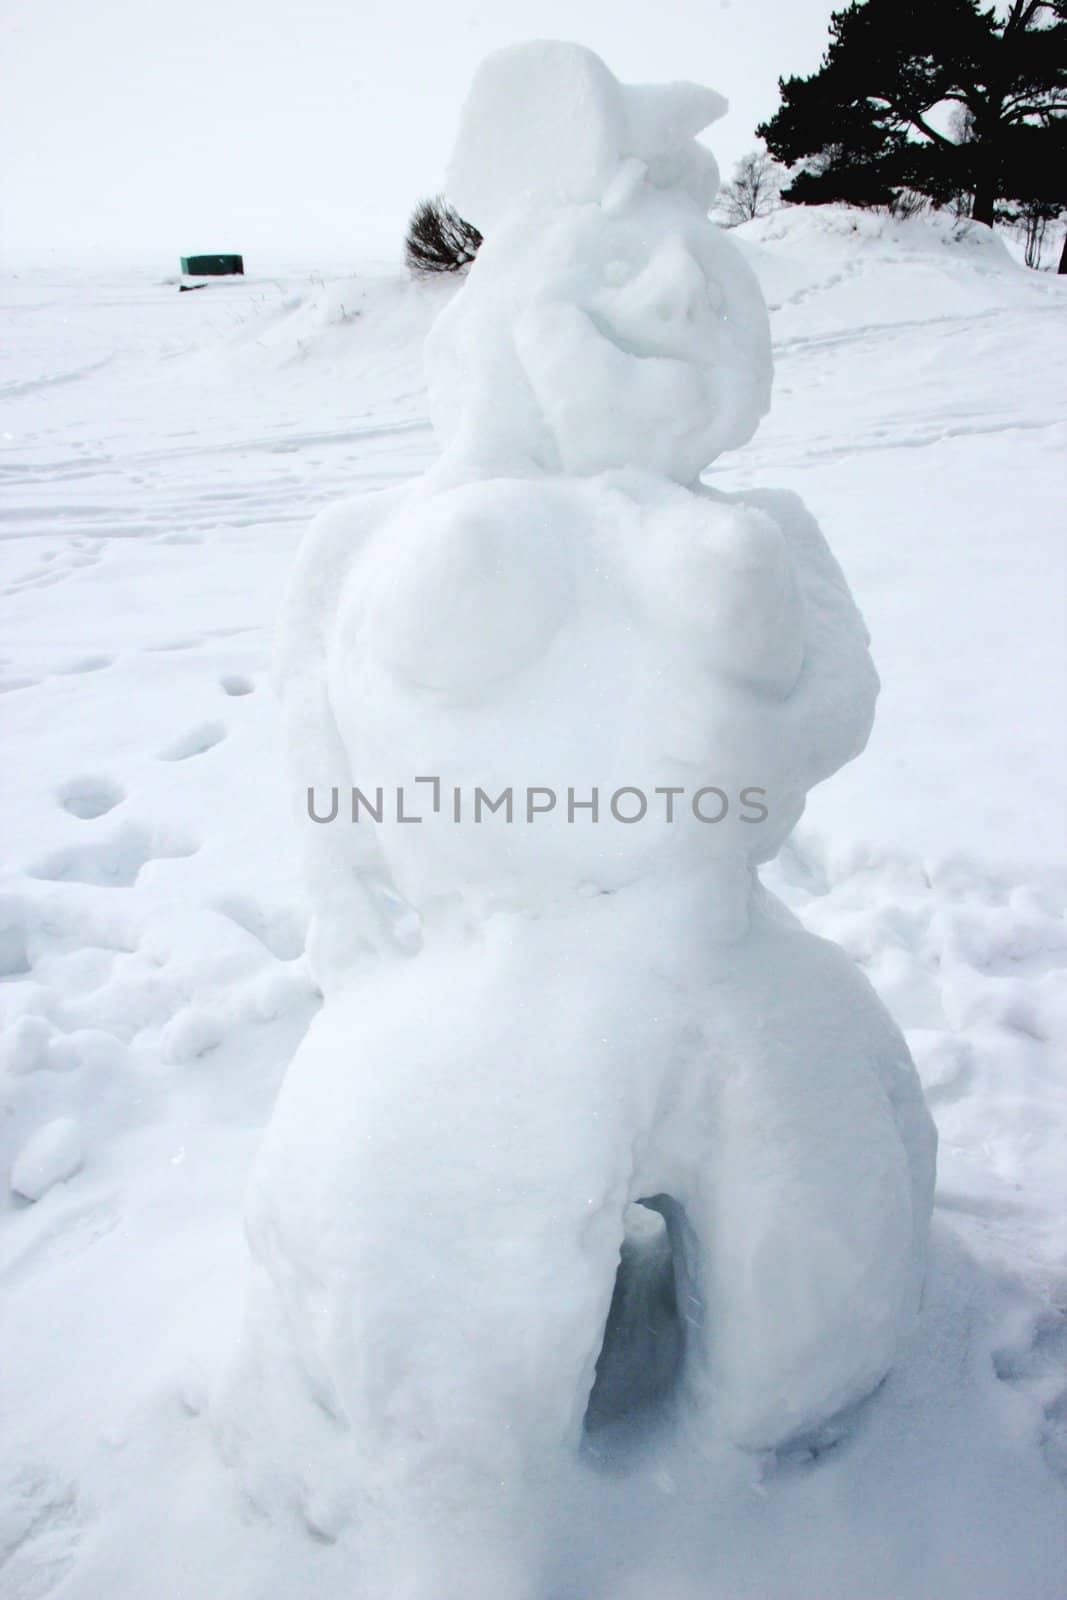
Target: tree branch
918	121
1022	14
1018	112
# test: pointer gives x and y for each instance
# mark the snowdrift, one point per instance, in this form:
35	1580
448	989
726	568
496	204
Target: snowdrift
865	268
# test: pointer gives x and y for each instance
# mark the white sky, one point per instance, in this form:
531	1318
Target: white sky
304	132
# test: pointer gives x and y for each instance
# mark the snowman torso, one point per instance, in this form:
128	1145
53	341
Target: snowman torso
637	652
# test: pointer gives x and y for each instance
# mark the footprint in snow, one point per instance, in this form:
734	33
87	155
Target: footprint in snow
54	566
235	683
94	663
195	743
114	863
1036	1364
33	580
88	797
40	1527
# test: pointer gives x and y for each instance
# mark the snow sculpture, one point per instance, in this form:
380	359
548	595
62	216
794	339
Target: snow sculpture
533	1022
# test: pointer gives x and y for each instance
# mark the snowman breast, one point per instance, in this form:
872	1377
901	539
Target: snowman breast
554	637
466	588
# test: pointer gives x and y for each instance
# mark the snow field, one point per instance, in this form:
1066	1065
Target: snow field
124	1281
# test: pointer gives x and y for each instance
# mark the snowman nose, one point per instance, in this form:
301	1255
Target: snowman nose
662	310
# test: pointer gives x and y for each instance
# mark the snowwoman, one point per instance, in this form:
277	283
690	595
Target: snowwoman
573	1059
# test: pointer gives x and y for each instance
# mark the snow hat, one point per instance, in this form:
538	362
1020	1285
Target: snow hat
547	121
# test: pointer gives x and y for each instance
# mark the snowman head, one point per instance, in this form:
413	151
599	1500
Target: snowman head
607	322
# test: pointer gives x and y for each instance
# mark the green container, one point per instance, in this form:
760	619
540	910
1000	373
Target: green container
212	266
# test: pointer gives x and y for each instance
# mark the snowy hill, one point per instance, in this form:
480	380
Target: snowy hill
163	454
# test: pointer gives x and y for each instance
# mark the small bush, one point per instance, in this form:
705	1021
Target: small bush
438	240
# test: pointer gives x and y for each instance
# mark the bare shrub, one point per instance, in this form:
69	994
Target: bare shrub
439	240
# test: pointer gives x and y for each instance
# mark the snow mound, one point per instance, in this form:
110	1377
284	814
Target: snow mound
577	998
850	229
330	323
823	268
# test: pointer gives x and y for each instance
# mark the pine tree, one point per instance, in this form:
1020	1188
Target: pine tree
862	123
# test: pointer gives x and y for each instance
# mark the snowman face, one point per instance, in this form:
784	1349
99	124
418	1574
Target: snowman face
661	302
649	346
588	339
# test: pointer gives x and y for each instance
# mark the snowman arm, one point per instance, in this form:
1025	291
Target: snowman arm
344	868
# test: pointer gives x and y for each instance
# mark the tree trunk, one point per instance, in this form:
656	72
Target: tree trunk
1063	256
983	204
985	159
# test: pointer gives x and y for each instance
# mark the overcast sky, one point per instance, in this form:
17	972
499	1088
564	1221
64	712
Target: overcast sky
304	132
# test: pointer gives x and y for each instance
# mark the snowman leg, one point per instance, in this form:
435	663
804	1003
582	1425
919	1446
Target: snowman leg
479	1326
809	1210
477	1342
443	1247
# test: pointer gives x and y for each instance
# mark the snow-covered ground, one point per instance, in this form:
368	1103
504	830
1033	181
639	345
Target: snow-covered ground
162	455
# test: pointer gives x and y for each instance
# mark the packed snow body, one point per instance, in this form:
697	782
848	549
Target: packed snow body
532	1022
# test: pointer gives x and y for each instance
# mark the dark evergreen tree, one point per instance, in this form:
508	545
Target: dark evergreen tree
861	123
438	240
